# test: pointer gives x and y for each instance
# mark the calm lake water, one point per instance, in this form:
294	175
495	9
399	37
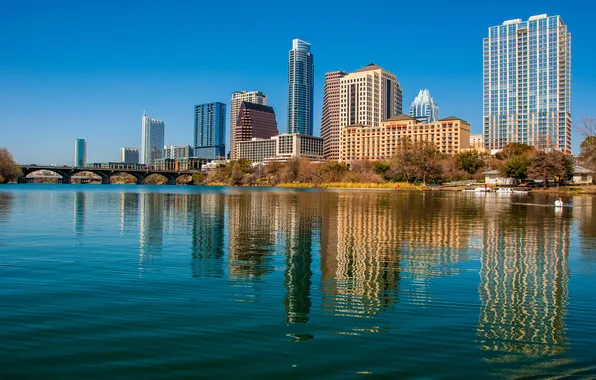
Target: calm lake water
150	282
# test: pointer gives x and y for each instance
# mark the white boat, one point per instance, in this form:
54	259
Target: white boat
504	190
477	189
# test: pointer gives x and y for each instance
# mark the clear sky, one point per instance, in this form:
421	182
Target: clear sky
88	69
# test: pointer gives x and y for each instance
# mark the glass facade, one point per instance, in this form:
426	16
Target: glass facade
153	140
300	88
80	158
527	84
210	131
424	108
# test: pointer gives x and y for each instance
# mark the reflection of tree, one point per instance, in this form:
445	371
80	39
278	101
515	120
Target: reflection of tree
79	205
302	221
360	257
5	206
252	235
524	283
208	224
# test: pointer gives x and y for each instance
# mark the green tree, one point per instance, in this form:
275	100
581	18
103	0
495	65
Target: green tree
470	161
9	170
516	167
511	150
427	161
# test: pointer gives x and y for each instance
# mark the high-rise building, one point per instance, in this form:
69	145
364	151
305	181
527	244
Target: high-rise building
80	158
527	84
424	108
129	155
254	121
210	131
301	71
238	97
177	151
153	140
330	115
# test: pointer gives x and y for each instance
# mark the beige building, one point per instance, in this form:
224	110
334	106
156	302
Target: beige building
359	142
238	97
330	115
477	141
281	148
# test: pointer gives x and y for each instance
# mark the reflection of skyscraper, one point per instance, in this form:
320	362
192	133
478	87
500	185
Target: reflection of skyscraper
301	223
252	235
129	211
362	277
524	284
151	225
207	212
79	203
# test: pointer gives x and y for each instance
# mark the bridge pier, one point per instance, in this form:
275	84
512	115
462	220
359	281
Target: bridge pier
105	180
171	180
65	179
140	180
22	179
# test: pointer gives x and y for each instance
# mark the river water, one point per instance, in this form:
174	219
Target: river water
169	282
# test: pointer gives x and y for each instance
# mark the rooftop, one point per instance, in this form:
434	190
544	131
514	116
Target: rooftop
368	67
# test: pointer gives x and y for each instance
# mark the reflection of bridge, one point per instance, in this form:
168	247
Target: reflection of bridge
68	172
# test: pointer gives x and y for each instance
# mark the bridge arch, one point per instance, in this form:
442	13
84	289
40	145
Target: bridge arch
64	175
138	176
105	179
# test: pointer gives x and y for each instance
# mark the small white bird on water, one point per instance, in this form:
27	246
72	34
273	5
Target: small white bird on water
559	203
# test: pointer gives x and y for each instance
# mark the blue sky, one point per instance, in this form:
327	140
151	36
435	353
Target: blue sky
88	69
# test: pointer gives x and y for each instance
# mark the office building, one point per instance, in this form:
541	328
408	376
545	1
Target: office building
424	108
330	115
129	155
361	142
527	84
254	121
300	88
80	155
177	151
238	97
210	131
281	148
153	140
477	141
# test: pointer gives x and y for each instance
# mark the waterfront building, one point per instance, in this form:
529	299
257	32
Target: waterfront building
80	155
256	97
361	142
179	164
129	155
300	88
477	141
330	115
210	129
281	148
424	108
152	140
527	84
177	151
254	121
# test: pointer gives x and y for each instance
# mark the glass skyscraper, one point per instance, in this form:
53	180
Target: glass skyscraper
210	131
80	158
300	88
527	84
153	140
424	108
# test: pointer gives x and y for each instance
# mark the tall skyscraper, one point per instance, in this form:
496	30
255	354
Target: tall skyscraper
80	158
153	140
301	72
330	115
129	155
527	84
424	108
369	96
254	121
210	131
238	97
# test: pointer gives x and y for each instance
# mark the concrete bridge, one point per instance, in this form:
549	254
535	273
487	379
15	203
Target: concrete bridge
68	172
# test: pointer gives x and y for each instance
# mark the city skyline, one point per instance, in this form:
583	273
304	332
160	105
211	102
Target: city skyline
72	80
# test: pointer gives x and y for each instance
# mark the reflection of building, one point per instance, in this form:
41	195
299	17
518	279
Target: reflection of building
360	274
150	225
153	131
208	228
524	284
362	142
129	211
80	204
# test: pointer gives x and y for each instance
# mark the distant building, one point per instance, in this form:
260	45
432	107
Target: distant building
177	151
527	84
424	108
281	148
301	71
129	155
477	141
254	121
360	142
80	152
153	140
238	97
330	115
180	164
210	131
